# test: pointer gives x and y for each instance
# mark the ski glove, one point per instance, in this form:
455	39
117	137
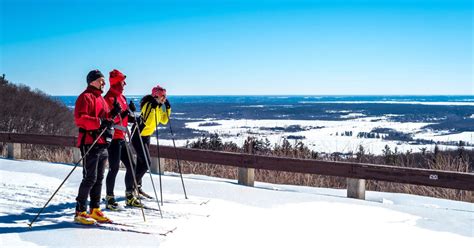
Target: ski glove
167	104
154	103
132	107
109	135
131	119
124	113
106	123
116	109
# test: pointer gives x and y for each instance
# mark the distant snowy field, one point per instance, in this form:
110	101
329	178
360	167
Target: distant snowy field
220	213
325	136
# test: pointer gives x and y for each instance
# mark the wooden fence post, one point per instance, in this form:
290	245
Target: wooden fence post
76	155
154	165
356	188
14	150
470	196
246	176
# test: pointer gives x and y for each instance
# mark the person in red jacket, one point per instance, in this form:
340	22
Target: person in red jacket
117	149
92	116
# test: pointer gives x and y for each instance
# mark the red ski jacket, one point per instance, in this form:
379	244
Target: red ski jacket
90	108
110	97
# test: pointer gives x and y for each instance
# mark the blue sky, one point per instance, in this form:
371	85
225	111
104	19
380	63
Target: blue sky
245	47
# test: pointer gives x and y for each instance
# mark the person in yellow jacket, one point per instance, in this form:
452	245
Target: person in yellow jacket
152	114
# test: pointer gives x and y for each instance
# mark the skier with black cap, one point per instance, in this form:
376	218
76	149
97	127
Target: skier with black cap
92	116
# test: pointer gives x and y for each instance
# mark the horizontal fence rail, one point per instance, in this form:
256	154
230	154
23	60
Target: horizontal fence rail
437	178
426	177
38	139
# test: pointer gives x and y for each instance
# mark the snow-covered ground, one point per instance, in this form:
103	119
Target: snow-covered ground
221	213
464	136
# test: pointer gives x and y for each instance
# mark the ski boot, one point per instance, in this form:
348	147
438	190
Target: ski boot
142	193
83	218
110	203
132	201
97	215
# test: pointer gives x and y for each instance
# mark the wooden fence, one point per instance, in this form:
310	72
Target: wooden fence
356	173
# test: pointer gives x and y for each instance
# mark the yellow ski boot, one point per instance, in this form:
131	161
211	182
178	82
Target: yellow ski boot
83	218
97	215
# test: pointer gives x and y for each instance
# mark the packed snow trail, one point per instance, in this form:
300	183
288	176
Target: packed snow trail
221	213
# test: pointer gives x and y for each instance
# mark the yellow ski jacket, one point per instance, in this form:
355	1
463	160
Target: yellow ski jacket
151	117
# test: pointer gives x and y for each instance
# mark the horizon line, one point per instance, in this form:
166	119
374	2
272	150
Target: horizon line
293	95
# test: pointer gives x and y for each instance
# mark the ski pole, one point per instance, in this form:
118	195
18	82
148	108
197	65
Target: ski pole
132	112
159	163
133	131
70	173
176	152
147	157
129	155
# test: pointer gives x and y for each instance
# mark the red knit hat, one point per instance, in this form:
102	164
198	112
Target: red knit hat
115	77
158	91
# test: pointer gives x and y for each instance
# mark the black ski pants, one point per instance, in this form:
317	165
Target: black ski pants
118	152
92	176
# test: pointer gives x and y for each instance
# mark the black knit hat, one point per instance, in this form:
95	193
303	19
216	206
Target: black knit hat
93	75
